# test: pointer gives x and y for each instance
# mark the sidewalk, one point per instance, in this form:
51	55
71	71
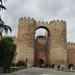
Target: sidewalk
39	71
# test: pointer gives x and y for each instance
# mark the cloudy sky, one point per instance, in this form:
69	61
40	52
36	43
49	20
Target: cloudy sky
43	10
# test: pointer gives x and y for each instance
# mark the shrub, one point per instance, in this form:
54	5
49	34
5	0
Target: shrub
20	63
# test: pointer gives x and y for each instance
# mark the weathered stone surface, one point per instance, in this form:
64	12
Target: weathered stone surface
25	44
40	49
71	53
58	41
58	51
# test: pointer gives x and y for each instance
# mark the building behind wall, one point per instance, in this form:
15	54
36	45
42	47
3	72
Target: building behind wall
40	49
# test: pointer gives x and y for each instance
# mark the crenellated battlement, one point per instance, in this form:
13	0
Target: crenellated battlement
57	21
42	22
52	22
41	38
71	43
26	18
13	37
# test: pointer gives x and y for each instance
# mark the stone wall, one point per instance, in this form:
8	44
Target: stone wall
58	42
71	53
40	48
25	44
58	51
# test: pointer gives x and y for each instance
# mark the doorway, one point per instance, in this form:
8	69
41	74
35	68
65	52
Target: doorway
41	46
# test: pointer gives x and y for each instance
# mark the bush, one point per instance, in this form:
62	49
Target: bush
20	63
13	64
7	52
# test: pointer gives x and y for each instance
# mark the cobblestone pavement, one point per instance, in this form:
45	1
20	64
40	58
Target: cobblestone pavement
39	71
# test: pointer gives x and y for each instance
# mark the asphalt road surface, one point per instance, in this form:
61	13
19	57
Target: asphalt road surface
39	71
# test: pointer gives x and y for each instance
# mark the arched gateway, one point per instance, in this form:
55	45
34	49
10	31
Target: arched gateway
54	44
41	46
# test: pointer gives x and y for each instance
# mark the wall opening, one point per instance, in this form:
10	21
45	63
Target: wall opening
42	35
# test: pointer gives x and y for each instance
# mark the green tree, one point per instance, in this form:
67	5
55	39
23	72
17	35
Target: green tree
7	52
1	5
3	27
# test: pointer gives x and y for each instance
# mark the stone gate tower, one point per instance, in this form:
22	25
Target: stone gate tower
25	42
58	42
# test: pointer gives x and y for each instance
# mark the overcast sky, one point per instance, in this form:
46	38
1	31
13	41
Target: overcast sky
43	10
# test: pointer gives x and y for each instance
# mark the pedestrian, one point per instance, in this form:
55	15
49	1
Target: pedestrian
26	62
55	67
62	67
59	67
71	68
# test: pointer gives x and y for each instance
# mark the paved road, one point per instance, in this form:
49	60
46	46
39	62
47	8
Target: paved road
39	71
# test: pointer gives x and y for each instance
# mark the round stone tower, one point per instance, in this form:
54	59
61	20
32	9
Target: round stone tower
58	43
25	44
